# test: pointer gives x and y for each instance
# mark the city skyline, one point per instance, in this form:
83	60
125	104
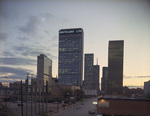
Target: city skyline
30	28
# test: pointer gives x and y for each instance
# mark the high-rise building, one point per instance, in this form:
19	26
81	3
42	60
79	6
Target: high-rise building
88	73
91	75
70	67
115	67
44	69
96	78
104	80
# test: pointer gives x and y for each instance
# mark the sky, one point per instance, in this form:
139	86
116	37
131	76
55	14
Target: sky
29	28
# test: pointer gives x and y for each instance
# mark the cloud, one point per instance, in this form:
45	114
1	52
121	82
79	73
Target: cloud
7	53
18	71
13	74
135	87
23	38
3	36
142	76
48	17
31	26
128	77
40	23
6	13
17	61
54	38
33	51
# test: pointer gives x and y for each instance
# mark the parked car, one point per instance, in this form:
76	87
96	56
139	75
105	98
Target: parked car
99	115
92	112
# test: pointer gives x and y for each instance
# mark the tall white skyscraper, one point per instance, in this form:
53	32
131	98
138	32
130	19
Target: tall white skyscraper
44	69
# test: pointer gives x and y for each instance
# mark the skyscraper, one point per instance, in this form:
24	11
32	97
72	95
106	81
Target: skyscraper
44	69
115	67
91	74
88	73
96	78
70	67
104	80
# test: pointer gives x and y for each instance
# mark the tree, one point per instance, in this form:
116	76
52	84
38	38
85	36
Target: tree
79	94
67	93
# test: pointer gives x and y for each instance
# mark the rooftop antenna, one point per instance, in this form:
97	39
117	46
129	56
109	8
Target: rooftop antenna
97	61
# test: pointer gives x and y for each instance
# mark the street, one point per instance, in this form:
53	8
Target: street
79	109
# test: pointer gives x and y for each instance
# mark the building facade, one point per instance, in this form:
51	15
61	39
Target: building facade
147	87
115	67
123	107
91	76
44	69
104	80
88	74
95	81
70	67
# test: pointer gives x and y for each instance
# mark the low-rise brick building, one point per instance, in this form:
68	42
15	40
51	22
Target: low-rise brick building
123	107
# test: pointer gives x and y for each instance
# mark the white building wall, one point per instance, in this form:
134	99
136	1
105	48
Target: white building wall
44	69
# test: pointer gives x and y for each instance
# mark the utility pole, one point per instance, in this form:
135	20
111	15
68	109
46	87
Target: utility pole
43	96
35	96
21	100
27	95
39	94
46	93
31	98
6	98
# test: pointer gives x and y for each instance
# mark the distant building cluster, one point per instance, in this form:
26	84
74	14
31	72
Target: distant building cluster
70	71
112	80
70	68
91	76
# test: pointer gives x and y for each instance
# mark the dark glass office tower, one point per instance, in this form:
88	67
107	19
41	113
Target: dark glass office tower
104	80
91	74
115	67
70	67
88	73
96	78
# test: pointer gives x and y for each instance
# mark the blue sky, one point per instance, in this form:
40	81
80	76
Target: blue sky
30	27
